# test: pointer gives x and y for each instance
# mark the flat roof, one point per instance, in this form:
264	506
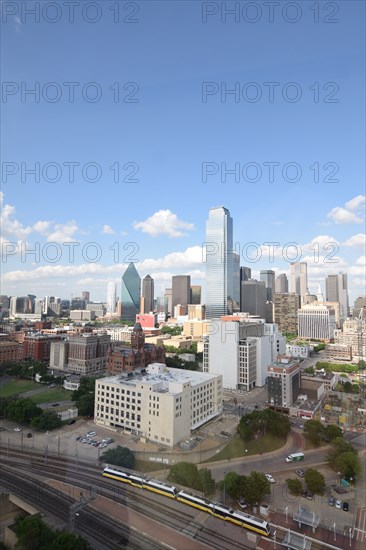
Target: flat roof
169	375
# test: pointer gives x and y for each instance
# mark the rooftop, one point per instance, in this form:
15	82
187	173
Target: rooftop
158	373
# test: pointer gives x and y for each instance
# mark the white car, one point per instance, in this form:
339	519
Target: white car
270	478
338	504
17	429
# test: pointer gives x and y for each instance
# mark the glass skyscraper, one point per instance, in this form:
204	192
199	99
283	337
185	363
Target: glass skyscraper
220	293
130	293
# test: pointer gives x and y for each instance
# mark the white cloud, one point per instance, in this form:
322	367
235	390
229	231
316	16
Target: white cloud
188	259
356	240
356	203
108	230
341	214
41	227
10	226
63	232
164	222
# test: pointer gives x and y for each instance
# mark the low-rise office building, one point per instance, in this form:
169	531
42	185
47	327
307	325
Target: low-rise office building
158	403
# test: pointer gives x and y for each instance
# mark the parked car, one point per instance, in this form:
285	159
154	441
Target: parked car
242	503
331	501
227	434
310	495
270	478
345	506
72	421
304	494
55	404
91	433
338	504
17	429
300	473
29	435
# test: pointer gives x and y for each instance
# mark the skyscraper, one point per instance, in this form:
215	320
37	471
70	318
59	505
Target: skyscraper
268	277
281	286
111	297
219	263
130	293
336	290
148	293
253	297
195	294
299	278
181	291
245	274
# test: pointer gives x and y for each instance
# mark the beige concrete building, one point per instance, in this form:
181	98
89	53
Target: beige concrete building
353	334
195	329
158	403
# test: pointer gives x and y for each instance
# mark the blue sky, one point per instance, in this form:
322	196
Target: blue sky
172	131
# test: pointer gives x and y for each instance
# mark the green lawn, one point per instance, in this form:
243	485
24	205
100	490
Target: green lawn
236	448
45	394
52	395
17	386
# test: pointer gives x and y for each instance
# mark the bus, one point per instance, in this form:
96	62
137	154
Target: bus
295	457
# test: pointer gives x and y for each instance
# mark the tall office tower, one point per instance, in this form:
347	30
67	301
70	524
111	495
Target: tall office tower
148	293
299	278
336	290
253	298
195	294
281	286
130	293
268	277
181	291
359	303
236	282
286	307
111	297
245	274
168	296
85	296
219	263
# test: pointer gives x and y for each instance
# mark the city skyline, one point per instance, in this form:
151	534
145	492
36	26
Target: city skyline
131	156
190	261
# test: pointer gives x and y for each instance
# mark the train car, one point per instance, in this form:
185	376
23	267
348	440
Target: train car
125	477
250	522
160	487
220	510
194	500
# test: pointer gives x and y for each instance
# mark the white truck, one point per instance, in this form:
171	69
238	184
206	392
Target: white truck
295	457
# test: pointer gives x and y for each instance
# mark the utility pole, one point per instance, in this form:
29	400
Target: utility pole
77	506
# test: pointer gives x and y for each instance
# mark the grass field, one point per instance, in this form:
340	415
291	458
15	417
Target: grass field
17	386
52	395
44	395
237	448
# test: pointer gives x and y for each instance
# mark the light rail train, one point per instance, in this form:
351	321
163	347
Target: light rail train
214	508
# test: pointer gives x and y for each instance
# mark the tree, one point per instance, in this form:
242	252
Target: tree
259	422
232	485
68	541
256	486
47	420
32	534
315	481
349	464
120	456
84	397
294	486
207	482
185	473
313	430
22	410
331	432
